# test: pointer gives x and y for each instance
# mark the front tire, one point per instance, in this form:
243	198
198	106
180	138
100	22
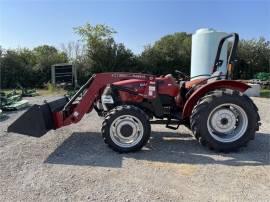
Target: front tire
126	129
224	120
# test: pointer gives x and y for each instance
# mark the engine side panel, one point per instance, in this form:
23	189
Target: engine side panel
127	97
134	85
167	86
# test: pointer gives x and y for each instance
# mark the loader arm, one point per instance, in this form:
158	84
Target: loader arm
39	119
92	91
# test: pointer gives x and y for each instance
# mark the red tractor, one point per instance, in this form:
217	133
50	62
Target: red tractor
215	109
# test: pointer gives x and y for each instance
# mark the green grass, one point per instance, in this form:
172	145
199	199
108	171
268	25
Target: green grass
265	93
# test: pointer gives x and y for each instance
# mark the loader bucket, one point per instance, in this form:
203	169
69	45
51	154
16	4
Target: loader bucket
38	120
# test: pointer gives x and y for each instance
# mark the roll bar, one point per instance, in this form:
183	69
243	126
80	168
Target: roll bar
232	55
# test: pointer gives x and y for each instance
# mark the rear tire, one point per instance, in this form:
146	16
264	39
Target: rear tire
126	129
224	120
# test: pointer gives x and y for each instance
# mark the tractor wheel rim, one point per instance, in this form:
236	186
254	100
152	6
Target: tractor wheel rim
227	123
126	131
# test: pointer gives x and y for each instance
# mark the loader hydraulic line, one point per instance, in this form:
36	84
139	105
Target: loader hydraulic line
77	94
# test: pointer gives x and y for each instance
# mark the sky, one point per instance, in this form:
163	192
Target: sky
25	23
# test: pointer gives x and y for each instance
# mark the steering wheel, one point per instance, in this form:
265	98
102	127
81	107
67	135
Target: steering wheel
182	76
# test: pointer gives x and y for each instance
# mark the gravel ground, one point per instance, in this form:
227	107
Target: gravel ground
73	164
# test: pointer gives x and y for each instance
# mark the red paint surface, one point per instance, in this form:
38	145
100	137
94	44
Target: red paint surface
94	92
147	87
201	91
168	86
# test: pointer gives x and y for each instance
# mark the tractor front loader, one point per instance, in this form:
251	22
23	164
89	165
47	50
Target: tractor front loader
215	109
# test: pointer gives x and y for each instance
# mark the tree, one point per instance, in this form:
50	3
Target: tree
46	56
1	51
76	53
102	52
169	53
98	52
254	57
15	68
30	68
74	50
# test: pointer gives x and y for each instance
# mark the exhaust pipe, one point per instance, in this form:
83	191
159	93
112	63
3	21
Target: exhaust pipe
38	120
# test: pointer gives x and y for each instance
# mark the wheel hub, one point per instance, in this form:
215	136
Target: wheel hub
223	121
126	130
227	122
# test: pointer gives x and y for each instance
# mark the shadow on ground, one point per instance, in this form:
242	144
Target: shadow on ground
88	149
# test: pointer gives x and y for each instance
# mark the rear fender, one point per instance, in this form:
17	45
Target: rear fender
201	91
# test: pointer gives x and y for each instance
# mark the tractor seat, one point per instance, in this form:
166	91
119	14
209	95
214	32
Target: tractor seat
217	76
190	84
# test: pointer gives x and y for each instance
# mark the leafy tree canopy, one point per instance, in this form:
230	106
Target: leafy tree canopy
99	52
